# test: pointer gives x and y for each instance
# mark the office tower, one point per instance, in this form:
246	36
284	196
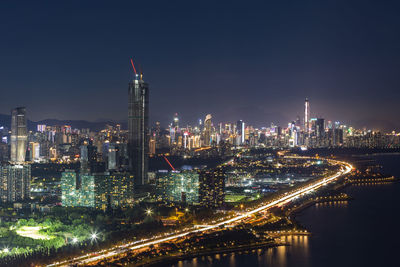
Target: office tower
41	128
152	146
138	123
15	182
211	187
88	158
174	130
158	131
112	156
19	135
320	127
178	186
34	151
185	139
307	116
172	134
207	130
53	153
240	131
176	122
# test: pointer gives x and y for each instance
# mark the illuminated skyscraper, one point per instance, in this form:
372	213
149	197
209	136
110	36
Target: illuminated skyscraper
176	121
19	135
174	129
112	156
138	124
88	158
320	128
240	131
207	130
307	116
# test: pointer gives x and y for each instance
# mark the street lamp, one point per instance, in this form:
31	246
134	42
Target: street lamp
74	240
149	212
93	236
6	250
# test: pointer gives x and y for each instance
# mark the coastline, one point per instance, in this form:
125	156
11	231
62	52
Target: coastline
176	258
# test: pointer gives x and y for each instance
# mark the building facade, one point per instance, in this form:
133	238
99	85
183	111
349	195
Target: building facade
101	191
212	188
178	186
15	182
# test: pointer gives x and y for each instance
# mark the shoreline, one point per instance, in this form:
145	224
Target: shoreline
177	258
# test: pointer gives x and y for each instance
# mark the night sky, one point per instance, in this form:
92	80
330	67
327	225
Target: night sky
255	62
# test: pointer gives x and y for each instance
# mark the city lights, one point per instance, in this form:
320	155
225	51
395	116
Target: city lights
209	152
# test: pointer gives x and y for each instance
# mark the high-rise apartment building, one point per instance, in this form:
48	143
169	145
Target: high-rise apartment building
77	192
15	182
212	187
178	186
113	189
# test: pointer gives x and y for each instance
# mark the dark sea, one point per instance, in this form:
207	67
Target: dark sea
362	232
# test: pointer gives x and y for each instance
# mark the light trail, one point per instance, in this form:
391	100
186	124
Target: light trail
88	258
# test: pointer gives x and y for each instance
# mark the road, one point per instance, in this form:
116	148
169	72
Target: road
281	200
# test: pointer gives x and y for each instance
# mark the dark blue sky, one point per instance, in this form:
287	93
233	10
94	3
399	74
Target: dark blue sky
255	62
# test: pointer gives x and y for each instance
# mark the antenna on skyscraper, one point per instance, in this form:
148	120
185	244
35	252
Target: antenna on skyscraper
134	69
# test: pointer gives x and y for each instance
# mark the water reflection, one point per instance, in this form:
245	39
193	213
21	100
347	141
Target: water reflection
278	256
334	204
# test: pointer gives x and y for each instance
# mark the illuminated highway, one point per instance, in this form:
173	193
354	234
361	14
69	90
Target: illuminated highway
282	199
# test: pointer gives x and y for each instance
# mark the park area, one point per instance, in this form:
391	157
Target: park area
28	236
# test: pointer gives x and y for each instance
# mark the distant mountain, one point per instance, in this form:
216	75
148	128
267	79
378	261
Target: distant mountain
5	120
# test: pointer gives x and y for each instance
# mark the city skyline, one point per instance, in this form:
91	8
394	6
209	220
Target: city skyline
197	134
247	70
